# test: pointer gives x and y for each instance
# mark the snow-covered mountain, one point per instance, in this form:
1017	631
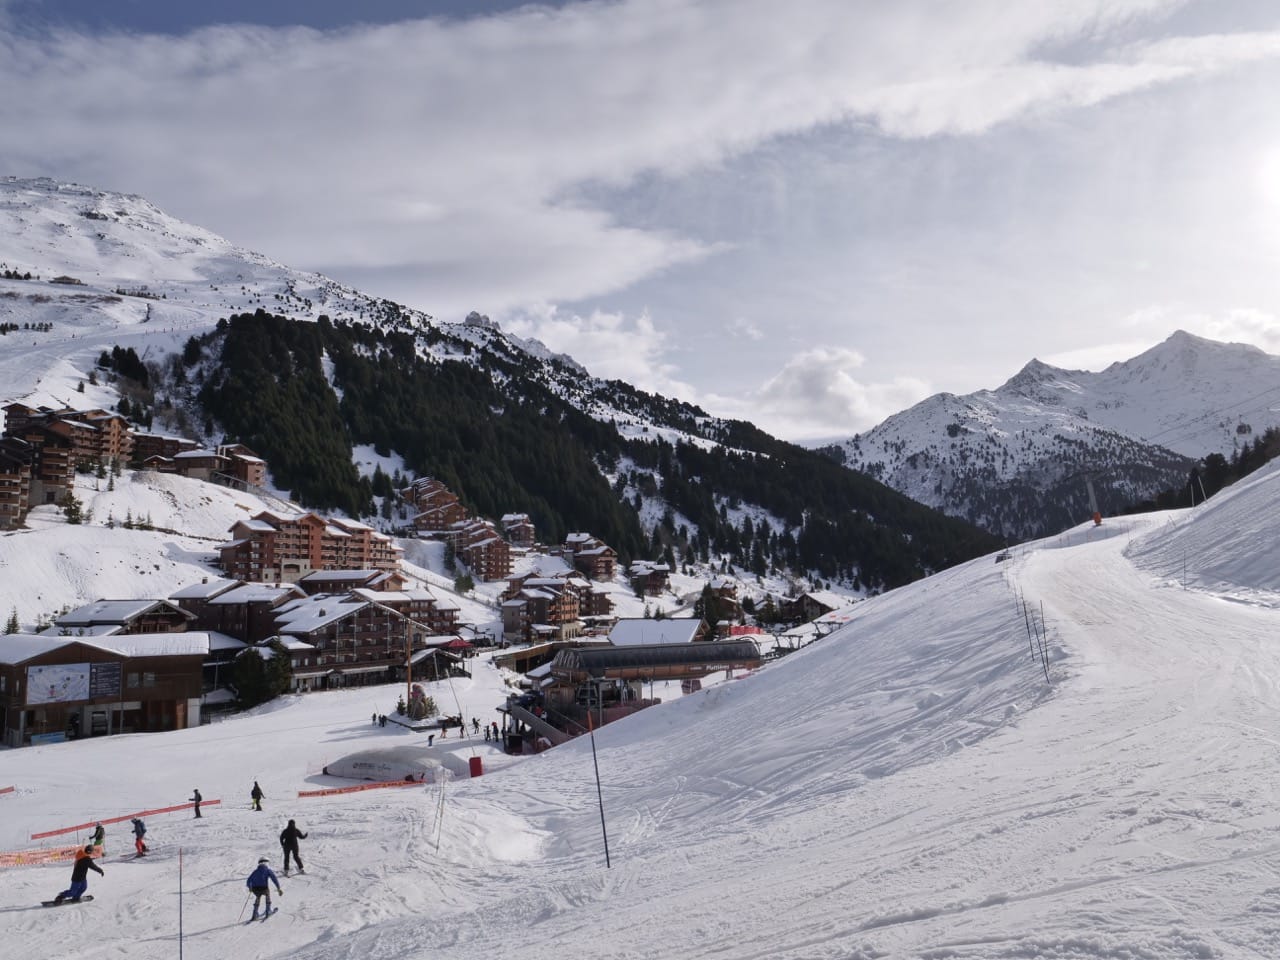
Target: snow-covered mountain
1019	460
516	427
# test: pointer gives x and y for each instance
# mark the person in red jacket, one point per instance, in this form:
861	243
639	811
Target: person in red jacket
80	876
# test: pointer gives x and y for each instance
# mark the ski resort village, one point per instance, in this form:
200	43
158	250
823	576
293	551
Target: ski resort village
306	602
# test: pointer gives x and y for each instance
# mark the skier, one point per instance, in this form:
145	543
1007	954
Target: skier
99	838
80	876
196	798
257	884
289	837
139	831
475	724
256	796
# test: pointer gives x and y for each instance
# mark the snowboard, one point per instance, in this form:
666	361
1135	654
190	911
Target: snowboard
62	903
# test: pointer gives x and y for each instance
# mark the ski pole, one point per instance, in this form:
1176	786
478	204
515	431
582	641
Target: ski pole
246	903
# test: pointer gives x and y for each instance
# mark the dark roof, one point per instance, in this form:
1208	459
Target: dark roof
597	661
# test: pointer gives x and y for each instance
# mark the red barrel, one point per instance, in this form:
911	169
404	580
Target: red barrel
477	767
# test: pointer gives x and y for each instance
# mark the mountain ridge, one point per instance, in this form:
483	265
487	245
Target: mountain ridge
1019	459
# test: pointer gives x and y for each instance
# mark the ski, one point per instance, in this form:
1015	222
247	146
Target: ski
63	903
258	919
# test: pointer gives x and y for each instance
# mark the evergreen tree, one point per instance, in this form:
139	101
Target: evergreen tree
12	625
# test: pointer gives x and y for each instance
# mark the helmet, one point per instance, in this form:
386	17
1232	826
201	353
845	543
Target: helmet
262	860
89	848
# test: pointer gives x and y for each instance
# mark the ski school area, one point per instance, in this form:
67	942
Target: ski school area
295	748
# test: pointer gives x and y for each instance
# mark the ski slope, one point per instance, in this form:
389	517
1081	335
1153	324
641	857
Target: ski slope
907	787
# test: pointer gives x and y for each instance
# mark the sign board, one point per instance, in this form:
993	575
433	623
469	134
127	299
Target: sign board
71	682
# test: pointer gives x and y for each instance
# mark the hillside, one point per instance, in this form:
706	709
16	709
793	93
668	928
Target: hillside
307	372
1018	460
910	786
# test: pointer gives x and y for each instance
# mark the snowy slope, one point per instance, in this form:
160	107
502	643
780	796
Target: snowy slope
910	786
1015	459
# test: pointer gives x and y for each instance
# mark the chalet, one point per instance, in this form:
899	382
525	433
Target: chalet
340	581
199	464
518	529
52	688
147	445
478	545
245	611
16	458
648	578
273	547
352	642
592	557
814	604
437	507
53	467
122	618
427	615
243	465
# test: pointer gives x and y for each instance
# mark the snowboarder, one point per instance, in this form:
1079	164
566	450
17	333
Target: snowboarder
196	798
139	831
289	837
256	796
257	884
99	838
80	876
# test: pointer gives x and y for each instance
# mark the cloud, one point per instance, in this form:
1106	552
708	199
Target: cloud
817	396
742	327
437	156
609	345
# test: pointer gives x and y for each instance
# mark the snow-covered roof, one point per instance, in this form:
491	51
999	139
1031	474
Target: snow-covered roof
186	643
256	593
311	614
633	632
18	648
221	641
86	630
112	611
199	454
339	575
204	589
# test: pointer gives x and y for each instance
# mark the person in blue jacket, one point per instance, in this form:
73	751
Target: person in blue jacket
257	884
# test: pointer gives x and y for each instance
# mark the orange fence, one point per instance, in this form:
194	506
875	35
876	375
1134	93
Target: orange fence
31	858
128	816
364	786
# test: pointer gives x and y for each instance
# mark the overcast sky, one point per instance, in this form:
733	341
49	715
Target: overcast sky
808	214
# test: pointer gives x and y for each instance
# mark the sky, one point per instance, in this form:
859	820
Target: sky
1066	755
810	220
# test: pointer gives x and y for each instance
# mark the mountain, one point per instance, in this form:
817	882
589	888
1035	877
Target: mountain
1019	460
913	785
306	371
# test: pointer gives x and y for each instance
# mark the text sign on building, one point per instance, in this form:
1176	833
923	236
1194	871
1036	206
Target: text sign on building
104	680
69	682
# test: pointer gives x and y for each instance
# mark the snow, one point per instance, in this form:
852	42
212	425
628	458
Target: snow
909	786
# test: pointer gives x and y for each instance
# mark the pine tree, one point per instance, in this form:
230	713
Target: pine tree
12	625
73	510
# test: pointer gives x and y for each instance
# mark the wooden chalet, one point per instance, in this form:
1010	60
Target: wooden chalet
55	688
